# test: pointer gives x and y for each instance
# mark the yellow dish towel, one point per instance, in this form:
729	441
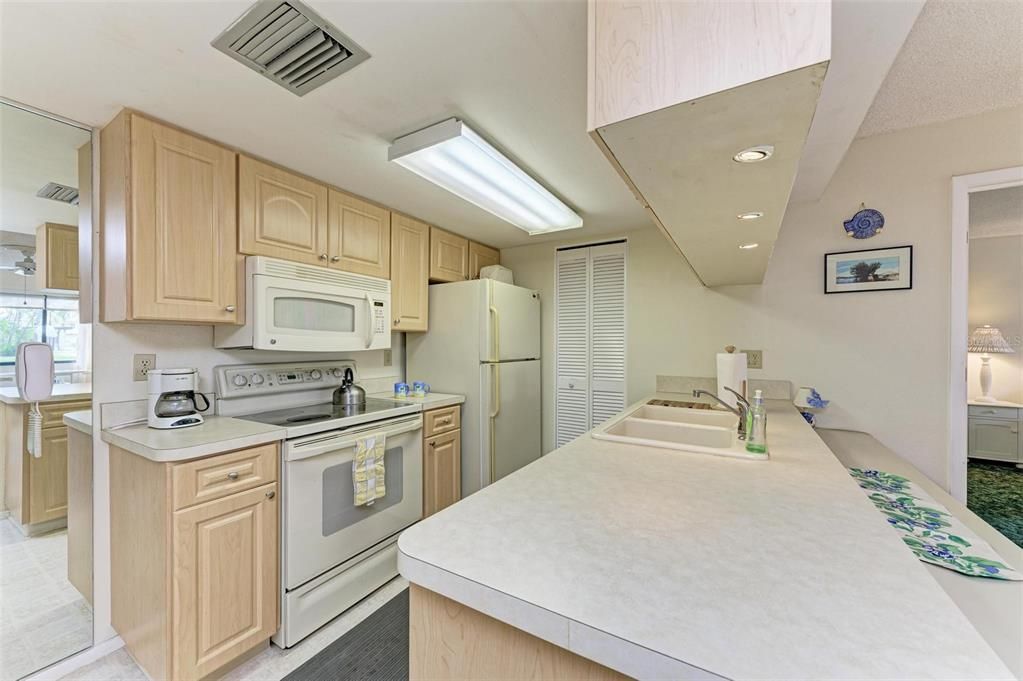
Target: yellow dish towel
368	469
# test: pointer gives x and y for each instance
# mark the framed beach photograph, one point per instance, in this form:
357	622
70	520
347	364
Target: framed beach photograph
883	269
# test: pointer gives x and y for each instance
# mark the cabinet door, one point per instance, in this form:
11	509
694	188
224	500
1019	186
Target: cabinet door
225	589
994	439
442	471
360	236
183	246
57	256
280	214
449	256
410	263
47	477
481	256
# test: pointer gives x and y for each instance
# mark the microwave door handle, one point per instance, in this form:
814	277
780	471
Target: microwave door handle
370	332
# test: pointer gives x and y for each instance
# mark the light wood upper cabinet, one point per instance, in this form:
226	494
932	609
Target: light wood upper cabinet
677	89
57	257
169	225
449	256
410	273
360	236
281	214
225	579
481	256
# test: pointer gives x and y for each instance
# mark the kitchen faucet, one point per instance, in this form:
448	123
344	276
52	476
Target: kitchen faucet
741	409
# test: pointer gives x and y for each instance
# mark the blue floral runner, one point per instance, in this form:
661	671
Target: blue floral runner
929	530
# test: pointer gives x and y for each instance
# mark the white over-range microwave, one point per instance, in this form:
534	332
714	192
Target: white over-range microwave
296	307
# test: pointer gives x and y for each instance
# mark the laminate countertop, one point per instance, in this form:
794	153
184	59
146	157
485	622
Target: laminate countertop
430	401
666	564
62	392
79	420
215	435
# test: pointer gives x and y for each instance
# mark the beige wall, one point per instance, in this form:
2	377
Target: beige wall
883	357
996	298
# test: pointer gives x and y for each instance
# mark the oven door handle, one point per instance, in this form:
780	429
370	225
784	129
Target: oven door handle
314	445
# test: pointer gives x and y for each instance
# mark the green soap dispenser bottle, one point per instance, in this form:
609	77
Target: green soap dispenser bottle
756	425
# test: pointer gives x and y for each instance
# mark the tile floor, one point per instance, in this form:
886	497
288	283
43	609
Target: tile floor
43	618
272	664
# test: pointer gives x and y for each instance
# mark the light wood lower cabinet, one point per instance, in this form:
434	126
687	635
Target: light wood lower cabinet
79	512
36	487
195	582
410	273
57	257
449	256
442	459
481	256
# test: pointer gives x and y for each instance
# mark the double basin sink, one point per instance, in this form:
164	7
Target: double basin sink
705	431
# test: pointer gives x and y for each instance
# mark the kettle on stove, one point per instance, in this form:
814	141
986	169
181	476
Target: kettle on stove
349	394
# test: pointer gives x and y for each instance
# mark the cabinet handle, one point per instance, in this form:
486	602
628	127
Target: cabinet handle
323	256
271	494
335	258
233	475
230	308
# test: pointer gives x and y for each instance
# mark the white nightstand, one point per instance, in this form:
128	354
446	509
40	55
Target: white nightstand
994	431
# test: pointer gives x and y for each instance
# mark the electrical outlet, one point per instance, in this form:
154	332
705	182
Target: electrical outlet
140	366
387	358
754	359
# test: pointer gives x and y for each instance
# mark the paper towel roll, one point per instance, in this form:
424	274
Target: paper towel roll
731	374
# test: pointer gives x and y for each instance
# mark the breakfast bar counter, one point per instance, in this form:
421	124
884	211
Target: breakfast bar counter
654	563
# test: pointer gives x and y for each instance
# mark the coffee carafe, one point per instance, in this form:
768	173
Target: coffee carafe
174	398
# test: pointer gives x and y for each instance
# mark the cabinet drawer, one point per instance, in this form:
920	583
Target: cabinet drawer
993	412
53	412
204	480
441	421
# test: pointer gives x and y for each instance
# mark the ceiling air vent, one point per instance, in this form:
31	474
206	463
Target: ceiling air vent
59	192
290	44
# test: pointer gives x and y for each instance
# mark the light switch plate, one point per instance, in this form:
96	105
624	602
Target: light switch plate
387	358
754	359
140	366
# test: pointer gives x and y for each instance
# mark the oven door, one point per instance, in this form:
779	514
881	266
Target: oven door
322	526
290	314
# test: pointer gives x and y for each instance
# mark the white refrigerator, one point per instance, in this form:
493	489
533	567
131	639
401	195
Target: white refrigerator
484	343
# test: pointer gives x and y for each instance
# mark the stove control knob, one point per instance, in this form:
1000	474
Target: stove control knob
336	371
256	379
239	380
316	374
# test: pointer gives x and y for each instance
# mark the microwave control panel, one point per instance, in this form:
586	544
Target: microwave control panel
379	320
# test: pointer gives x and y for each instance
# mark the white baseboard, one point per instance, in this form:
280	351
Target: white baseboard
77	661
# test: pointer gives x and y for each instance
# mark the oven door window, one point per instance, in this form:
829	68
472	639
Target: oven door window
313	314
339	509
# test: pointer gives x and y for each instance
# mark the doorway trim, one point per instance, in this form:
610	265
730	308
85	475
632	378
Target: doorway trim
959	277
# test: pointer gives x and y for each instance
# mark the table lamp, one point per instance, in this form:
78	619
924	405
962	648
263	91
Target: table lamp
986	340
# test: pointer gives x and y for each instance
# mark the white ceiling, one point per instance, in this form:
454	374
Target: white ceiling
997	212
35	150
963	57
516	70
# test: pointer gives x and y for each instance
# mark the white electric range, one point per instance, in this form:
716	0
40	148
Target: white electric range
333	553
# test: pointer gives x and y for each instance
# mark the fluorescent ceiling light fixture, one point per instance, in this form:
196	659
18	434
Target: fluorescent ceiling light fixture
747	247
752	215
754	154
453	156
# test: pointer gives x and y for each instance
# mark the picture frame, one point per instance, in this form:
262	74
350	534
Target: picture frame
877	269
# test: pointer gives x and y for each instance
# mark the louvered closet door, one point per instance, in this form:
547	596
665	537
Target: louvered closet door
607	332
572	412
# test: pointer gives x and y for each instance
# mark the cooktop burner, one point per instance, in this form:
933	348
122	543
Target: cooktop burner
321	412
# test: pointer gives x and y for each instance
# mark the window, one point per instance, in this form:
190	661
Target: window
50	319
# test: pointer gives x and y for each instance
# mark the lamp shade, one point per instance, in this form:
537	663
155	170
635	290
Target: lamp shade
989	340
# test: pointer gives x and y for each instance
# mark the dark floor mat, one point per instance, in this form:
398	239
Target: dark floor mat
995	493
375	650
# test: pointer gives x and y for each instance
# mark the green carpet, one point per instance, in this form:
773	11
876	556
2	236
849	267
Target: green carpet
994	491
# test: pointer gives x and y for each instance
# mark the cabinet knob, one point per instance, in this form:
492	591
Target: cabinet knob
271	494
323	256
397	321
233	475
230	308
432	444
335	258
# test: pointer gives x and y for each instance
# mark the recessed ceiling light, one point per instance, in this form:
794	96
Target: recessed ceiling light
752	215
452	155
761	152
746	247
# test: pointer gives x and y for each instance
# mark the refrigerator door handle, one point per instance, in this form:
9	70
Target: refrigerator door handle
495	334
495	387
